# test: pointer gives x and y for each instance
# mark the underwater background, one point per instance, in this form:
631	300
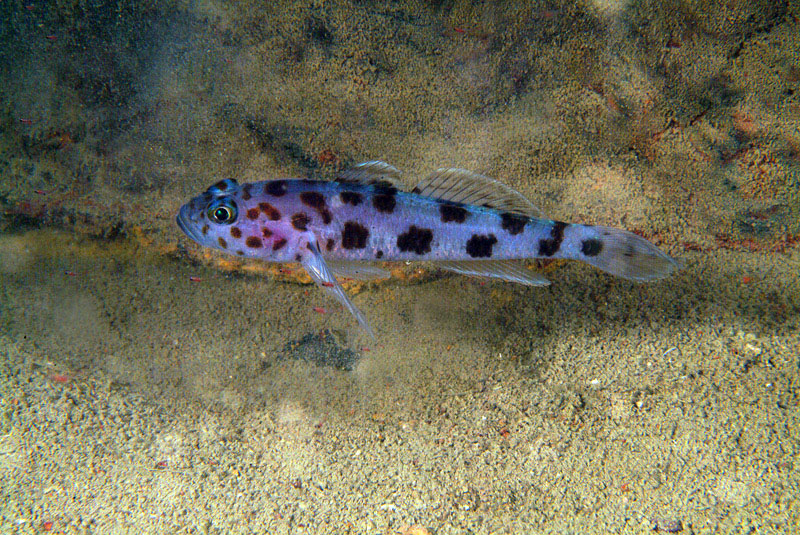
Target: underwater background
150	385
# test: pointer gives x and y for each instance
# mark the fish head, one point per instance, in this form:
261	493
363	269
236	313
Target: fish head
209	217
232	218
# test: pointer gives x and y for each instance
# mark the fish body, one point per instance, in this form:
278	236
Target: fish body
464	222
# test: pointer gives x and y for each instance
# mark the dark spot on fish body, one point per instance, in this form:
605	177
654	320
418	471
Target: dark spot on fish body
415	239
236	232
266	232
326	216
222	243
379	255
316	200
384	202
354	235
513	223
204	230
276	188
591	247
279	244
246	192
272	213
298	257
240	253
313	200
254	242
351	197
452	212
222	185
480	245
550	246
253	213
329	245
300	221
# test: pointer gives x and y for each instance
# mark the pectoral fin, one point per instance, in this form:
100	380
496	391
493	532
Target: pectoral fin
320	273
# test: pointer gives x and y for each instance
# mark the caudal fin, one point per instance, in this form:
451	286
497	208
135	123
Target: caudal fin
624	254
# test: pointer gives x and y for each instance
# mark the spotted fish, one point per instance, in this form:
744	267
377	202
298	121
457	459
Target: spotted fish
463	221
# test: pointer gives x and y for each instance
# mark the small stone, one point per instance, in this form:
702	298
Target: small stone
667	525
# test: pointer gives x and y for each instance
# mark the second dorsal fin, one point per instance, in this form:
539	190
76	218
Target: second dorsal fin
467	187
374	173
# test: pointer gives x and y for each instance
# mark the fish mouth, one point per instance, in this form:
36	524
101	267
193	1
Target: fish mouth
185	223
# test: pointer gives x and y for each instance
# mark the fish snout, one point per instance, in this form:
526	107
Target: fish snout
186	222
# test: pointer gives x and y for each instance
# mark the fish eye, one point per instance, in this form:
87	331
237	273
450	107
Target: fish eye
222	211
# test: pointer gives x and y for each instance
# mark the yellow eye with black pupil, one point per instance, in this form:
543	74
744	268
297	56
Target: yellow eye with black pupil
222	211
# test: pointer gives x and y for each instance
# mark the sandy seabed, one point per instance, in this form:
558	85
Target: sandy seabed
137	399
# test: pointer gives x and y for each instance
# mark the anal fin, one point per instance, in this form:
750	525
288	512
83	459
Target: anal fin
507	270
357	270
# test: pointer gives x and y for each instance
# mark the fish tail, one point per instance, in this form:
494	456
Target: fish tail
621	253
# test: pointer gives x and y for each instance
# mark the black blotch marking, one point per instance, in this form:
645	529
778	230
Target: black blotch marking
298	257
591	247
300	221
316	200
236	232
254	242
452	212
415	239
220	186
246	195
351	197
385	200
252	213
313	200
354	235
272	213
204	230
379	254
276	188
222	243
266	232
330	244
278	244
480	245
240	253
551	245
326	215
513	223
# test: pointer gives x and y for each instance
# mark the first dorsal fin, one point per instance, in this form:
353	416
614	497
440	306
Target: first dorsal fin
467	187
374	173
223	187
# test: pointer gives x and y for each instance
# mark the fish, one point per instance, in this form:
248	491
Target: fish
459	220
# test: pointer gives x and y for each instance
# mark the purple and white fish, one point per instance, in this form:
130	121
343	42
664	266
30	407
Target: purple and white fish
462	221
